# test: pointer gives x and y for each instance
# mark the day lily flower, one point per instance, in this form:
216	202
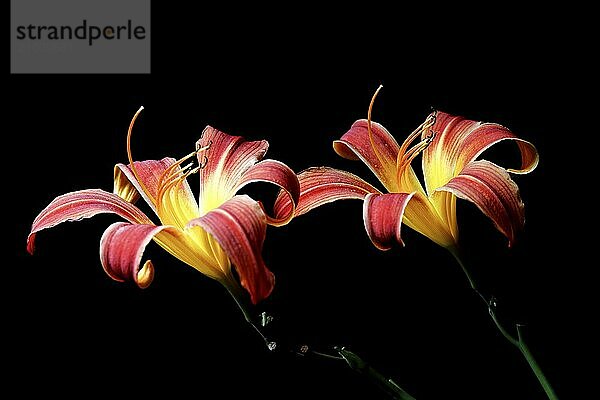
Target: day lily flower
210	235
451	146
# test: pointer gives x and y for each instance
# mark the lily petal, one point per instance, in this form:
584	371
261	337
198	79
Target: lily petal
123	187
239	226
121	249
279	174
185	246
181	206
379	155
225	162
383	215
421	215
490	188
149	172
458	141
76	206
321	185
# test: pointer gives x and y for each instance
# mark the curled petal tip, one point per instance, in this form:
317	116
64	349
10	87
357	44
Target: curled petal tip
382	214
279	174
121	248
145	275
31	243
491	189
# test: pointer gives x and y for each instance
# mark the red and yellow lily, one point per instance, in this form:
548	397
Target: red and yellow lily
451	146
210	235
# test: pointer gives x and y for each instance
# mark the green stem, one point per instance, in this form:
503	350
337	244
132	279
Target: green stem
350	358
239	297
534	366
518	342
386	384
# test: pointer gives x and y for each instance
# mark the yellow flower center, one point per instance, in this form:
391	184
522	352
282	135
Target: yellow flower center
170	180
420	214
194	246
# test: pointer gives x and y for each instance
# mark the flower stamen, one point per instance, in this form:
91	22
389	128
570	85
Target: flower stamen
369	124
208	146
406	157
130	158
175	174
427	124
204	162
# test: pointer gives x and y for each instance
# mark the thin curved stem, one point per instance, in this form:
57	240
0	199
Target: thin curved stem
386	384
237	295
342	354
534	366
518	342
503	331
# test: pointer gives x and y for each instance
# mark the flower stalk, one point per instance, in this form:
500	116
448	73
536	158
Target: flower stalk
451	148
349	358
386	384
519	341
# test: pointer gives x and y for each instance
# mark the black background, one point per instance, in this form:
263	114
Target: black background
300	80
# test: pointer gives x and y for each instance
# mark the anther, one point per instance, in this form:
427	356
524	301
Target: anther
175	174
204	163
203	148
430	121
429	138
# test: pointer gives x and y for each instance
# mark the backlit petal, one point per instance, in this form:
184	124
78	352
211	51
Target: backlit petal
76	206
380	156
239	226
490	188
121	249
322	185
123	187
188	247
459	141
149	172
226	161
383	214
421	215
178	204
279	174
